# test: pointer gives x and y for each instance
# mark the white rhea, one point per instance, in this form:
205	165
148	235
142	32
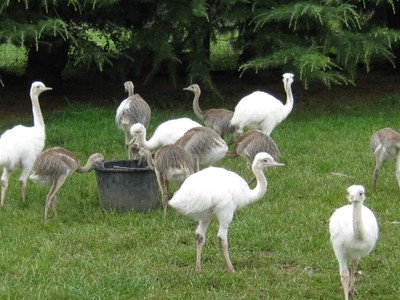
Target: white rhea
170	163
53	166
204	145
132	110
353	231
218	193
20	145
216	118
262	111
385	145
165	134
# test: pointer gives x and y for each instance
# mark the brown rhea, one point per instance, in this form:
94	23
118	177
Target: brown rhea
170	163
53	166
217	119
385	145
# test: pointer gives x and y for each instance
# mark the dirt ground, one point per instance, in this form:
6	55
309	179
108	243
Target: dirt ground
161	93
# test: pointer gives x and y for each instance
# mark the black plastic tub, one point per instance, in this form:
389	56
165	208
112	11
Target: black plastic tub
123	186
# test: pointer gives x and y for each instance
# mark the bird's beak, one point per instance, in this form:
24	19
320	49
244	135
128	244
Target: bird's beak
185	89
48	88
277	164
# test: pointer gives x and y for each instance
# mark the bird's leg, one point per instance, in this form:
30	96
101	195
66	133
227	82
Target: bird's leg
54	206
352	289
4	184
201	239
52	194
398	170
224	245
22	184
379	158
345	279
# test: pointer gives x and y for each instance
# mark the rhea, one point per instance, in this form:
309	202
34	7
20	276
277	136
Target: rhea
204	145
133	109
20	145
263	111
53	166
385	145
217	119
170	163
219	193
165	134
353	232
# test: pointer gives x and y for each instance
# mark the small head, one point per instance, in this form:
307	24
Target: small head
263	160
38	87
356	193
97	159
137	130
287	78
193	88
128	86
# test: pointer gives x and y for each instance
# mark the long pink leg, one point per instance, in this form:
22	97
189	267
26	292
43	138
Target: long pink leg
354	264
4	185
49	199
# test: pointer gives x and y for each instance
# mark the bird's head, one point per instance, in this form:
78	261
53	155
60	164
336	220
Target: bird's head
287	78
97	159
193	88
263	160
356	193
38	87
128	86
137	130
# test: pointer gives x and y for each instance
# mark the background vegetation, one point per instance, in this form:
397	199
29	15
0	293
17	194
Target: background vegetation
326	41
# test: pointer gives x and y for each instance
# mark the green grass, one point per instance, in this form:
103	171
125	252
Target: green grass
279	246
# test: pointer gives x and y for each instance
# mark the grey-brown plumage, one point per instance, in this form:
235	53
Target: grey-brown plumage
53	166
385	145
216	118
204	145
170	163
132	110
251	142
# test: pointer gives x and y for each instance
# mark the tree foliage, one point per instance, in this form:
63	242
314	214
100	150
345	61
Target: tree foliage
324	41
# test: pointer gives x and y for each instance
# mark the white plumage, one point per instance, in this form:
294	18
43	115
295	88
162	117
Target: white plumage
20	145
218	193
262	111
353	232
165	134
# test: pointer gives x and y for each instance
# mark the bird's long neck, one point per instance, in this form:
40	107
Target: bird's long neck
150	144
149	158
196	107
86	168
261	188
358	225
37	113
289	99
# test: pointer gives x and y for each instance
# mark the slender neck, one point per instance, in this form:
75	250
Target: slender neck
196	107
289	99
86	168
149	159
358	226
37	113
261	188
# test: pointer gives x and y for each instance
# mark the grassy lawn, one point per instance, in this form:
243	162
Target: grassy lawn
279	246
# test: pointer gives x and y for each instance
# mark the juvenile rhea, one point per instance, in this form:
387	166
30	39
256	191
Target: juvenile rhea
385	145
204	145
170	163
353	231
218	193
133	109
53	166
20	145
263	111
217	119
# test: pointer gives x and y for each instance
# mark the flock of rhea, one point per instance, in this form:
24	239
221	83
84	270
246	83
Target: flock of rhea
179	148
